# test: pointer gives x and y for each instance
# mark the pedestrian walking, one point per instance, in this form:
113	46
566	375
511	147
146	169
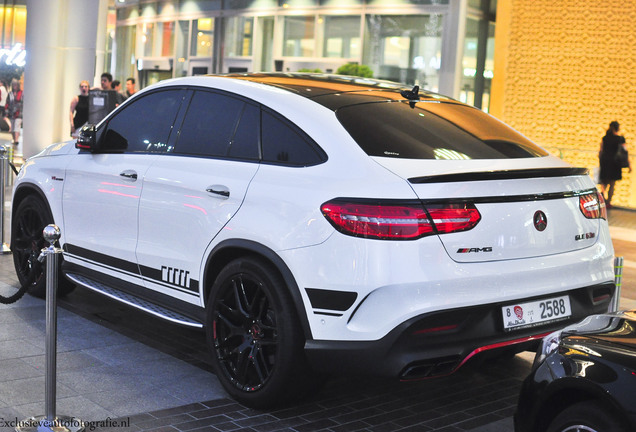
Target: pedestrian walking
14	113
613	157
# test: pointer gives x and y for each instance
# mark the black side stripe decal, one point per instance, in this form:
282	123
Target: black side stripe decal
176	279
169	276
100	258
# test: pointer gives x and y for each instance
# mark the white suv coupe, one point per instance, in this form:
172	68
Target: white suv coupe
316	224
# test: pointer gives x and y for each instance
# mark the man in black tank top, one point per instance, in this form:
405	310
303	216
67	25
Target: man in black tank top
79	109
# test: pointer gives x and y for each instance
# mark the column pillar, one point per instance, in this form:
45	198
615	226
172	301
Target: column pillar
502	41
450	73
60	41
100	54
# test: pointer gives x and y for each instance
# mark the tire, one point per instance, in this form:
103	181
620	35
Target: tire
586	417
27	241
255	336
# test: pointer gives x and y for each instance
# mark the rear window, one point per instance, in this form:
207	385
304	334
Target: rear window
433	130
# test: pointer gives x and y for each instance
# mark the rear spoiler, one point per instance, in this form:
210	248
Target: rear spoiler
501	175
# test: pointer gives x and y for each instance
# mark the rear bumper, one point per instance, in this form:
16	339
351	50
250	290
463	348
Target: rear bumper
396	282
438	343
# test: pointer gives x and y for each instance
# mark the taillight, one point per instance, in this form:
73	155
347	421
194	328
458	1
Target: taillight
592	206
450	218
390	220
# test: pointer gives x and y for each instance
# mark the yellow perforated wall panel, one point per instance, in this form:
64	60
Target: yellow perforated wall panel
563	70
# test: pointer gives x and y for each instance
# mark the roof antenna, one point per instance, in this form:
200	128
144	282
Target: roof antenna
411	94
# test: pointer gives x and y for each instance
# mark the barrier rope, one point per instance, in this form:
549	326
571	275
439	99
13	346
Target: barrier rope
36	268
15	170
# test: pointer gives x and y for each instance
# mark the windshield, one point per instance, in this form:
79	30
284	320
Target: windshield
433	130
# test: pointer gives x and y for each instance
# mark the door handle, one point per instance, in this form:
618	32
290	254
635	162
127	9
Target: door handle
221	190
129	174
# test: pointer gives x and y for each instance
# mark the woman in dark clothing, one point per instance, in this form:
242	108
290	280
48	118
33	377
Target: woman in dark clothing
79	109
611	171
13	111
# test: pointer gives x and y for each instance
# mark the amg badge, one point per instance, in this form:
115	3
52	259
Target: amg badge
471	250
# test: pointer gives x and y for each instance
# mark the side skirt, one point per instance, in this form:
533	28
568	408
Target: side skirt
157	304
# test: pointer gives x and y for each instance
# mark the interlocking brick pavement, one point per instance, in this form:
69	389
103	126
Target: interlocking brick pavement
479	398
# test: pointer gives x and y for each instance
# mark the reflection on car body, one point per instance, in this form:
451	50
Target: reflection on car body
583	378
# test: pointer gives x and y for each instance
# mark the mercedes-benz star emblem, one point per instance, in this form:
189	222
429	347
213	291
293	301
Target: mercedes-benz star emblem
540	220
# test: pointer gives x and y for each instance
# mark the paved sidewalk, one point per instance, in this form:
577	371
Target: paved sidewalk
101	373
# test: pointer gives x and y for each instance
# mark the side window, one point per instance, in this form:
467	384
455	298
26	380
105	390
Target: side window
219	125
144	125
245	142
284	144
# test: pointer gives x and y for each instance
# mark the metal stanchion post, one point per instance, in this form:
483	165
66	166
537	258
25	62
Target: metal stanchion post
4	170
8	178
50	422
618	281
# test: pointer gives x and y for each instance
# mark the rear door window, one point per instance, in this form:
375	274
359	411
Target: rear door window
433	130
219	125
283	143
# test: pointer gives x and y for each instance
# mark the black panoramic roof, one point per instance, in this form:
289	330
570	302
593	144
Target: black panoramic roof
388	119
335	91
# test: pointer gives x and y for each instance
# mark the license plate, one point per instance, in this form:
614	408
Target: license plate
536	312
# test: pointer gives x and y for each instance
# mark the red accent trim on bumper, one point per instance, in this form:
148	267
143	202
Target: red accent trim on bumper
501	345
436	329
482	349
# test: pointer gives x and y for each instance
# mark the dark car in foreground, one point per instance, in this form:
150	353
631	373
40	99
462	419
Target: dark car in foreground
583	379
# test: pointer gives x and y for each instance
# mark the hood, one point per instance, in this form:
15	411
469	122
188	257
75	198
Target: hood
61	148
614	333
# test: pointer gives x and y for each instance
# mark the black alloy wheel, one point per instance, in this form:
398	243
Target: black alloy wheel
27	242
254	335
246	333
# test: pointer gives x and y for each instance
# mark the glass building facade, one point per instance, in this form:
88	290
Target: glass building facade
440	45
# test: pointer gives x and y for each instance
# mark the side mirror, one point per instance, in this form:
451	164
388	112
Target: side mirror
87	138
